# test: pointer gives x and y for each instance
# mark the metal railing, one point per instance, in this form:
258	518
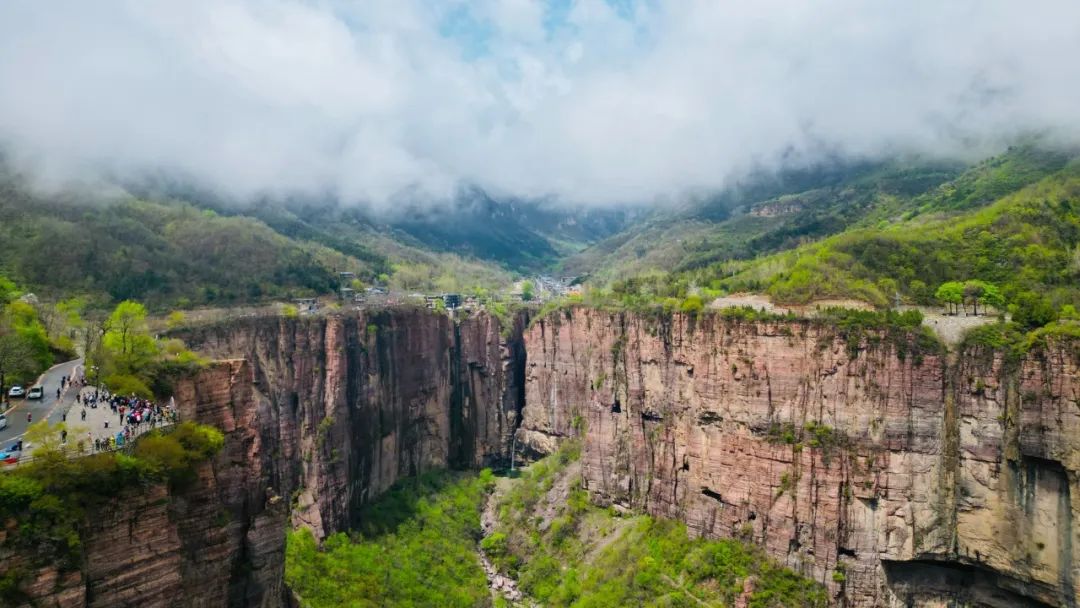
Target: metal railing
127	447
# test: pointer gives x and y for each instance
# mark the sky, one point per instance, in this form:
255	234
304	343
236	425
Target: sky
589	102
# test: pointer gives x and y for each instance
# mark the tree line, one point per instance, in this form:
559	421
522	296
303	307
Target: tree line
954	294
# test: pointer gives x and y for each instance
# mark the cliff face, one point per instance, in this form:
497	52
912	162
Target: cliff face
217	542
344	406
320	415
892	476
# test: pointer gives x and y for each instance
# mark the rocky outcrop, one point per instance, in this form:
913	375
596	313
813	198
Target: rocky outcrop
873	465
320	415
215	542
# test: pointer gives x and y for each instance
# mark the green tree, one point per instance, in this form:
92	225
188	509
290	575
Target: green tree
976	292
175	319
973	292
126	324
16	358
919	291
127	348
1031	310
8	290
692	305
950	294
992	296
528	291
23	320
1069	312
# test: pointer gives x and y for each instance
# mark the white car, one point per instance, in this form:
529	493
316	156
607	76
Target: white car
17	391
3	421
36	392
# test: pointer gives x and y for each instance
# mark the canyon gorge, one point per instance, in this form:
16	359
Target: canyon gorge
892	471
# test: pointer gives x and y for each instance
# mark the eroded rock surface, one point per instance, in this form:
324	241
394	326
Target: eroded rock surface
894	476
320	415
865	466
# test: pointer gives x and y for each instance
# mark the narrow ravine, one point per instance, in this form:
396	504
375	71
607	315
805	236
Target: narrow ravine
500	585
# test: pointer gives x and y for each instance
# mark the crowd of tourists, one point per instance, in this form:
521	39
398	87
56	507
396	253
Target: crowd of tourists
134	415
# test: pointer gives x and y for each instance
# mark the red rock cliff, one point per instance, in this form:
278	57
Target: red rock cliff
344	406
890	475
216	543
320	415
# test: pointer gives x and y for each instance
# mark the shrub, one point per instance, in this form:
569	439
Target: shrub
1031	310
692	305
124	384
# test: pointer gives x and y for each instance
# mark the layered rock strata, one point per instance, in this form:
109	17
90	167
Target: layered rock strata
875	466
893	475
215	542
320	415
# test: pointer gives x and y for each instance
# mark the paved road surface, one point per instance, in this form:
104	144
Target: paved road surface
47	407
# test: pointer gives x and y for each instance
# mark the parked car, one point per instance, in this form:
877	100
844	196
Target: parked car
3	421
36	392
17	391
13	453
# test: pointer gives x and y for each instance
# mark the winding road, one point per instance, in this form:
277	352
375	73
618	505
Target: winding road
47	408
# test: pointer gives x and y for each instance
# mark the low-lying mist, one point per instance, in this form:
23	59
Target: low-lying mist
587	102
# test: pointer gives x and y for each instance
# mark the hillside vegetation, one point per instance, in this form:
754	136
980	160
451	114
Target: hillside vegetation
173	254
1005	232
417	545
1026	242
33	335
47	500
163	253
777	213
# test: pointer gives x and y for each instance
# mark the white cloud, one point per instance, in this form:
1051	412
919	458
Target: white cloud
374	100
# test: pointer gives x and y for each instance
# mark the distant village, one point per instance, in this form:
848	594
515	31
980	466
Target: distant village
537	289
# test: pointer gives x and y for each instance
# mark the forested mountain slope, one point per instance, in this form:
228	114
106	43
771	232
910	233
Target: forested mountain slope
172	253
165	253
781	212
